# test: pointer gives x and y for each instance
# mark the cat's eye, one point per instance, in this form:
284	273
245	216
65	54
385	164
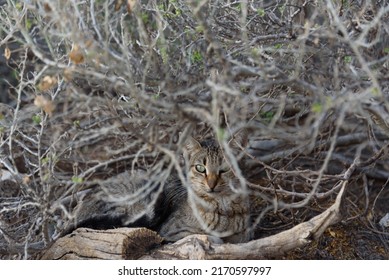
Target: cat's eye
200	168
224	170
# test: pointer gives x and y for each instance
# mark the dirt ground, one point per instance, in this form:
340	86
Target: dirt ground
358	237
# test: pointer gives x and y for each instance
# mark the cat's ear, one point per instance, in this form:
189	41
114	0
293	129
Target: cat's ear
192	145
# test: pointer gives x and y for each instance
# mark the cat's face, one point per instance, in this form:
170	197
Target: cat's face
209	174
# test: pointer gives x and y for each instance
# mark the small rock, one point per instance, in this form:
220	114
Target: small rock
384	222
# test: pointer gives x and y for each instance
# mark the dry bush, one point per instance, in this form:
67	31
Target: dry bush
108	86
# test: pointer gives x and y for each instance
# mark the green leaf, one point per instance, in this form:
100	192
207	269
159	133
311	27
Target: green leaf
267	116
36	119
348	58
164	55
161	7
197	57
278	46
317	108
28	24
261	12
15	74
19	6
77	180
45	160
145	18
199	29
281	9
76	123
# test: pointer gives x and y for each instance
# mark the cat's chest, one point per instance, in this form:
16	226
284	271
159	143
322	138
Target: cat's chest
223	205
222	214
221	217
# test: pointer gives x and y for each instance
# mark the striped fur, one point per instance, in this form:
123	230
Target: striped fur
215	203
212	202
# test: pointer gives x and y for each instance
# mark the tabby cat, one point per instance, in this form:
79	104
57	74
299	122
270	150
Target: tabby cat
212	202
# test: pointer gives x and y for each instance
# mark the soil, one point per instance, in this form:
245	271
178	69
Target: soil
359	236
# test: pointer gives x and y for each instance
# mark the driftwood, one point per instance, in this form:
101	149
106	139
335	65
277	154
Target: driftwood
141	243
116	244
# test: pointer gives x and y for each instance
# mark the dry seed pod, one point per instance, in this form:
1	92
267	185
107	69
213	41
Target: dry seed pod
47	83
7	53
76	55
45	104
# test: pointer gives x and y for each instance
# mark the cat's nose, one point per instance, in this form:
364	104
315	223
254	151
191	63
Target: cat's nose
212	180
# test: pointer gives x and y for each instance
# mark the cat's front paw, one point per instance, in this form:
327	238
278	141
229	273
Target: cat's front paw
204	238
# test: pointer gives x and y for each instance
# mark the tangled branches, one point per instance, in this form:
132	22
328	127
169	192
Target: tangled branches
106	86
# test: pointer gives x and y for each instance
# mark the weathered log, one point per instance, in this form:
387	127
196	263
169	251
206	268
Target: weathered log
202	246
141	243
116	244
